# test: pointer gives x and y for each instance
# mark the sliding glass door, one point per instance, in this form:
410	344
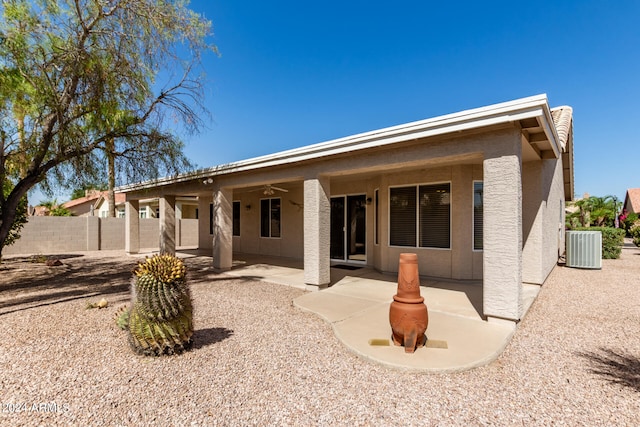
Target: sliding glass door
348	228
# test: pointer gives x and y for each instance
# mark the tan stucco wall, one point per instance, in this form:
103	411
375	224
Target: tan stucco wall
188	211
459	262
290	242
542	218
502	224
205	239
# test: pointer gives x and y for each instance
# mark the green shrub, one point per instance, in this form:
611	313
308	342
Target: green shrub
627	221
634	231
612	240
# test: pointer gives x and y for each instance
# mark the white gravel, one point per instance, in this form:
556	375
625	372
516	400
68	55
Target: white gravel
574	360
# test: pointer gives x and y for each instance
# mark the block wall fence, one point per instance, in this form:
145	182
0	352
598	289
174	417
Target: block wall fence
54	235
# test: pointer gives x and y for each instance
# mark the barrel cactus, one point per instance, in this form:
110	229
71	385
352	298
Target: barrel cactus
160	318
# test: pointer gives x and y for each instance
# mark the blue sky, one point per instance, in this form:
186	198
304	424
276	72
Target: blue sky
294	73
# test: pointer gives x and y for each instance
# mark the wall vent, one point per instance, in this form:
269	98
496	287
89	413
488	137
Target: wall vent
584	249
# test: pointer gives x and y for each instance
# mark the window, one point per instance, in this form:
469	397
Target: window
120	213
376	218
143	212
270	217
477	215
420	216
402	216
236	218
211	218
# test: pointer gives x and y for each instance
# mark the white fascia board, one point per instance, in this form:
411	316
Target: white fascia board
550	130
507	112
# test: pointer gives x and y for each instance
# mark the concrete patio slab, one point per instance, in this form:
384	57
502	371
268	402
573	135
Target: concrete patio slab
356	304
334	307
470	343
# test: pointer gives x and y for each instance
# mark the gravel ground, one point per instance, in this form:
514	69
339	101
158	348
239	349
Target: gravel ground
574	360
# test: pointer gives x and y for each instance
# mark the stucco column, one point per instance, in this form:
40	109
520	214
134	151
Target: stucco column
132	227
167	225
222	229
317	232
502	261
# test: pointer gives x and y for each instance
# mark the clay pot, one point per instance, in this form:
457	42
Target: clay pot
408	314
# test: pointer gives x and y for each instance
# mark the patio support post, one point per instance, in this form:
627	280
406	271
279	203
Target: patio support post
222	229
502	260
132	227
317	232
167	225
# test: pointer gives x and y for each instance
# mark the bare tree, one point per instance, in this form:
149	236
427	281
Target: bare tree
83	80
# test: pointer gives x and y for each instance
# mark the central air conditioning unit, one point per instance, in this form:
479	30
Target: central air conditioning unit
584	249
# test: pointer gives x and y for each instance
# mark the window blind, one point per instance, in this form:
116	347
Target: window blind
435	215
478	201
402	216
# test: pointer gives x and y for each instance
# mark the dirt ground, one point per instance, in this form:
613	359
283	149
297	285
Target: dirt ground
28	282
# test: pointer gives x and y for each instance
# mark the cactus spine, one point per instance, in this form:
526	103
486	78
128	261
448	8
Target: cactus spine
160	319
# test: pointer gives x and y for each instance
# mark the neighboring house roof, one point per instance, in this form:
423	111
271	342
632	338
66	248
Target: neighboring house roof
550	131
89	196
120	198
632	200
92	198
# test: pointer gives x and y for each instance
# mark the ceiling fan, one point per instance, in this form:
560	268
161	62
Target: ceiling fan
269	190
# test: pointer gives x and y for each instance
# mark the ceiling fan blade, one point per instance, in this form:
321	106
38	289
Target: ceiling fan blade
279	189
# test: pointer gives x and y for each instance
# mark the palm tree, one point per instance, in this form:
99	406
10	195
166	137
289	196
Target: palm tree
598	211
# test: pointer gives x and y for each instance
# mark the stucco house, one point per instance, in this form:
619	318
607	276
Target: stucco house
479	195
85	206
186	207
632	201
96	203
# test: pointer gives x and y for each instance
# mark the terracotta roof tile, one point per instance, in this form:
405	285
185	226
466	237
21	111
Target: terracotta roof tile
93	197
563	117
633	199
81	200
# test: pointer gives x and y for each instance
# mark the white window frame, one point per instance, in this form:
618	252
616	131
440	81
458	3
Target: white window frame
270	236
417	186
376	214
473	215
233	205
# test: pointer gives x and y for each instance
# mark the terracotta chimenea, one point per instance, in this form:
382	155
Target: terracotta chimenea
408	313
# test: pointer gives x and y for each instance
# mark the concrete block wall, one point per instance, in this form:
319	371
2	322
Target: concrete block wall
43	235
111	233
56	235
149	235
188	232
